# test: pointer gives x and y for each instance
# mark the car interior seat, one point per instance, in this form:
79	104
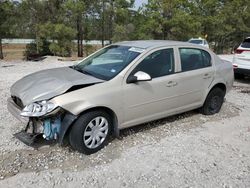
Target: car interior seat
191	63
157	66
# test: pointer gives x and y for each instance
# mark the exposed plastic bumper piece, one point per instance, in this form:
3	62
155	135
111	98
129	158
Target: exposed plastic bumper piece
26	138
15	111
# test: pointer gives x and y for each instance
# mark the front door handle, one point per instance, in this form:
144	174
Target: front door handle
171	84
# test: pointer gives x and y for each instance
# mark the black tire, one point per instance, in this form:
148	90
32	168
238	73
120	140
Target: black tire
238	76
76	135
213	102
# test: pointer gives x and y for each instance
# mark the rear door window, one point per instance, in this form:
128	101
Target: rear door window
192	59
246	43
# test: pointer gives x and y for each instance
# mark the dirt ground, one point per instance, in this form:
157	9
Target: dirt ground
186	150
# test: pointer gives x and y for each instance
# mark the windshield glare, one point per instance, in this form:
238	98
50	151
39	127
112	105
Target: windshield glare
108	62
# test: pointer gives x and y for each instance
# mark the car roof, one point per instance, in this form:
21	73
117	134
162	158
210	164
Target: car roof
153	43
196	39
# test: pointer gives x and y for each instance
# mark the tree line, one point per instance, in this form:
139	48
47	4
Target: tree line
55	23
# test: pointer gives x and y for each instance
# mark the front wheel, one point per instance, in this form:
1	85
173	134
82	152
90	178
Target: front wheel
213	102
90	132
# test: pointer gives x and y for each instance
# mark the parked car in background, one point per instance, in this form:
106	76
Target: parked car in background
122	85
241	60
199	41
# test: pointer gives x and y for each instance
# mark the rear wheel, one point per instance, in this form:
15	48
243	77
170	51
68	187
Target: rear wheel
213	102
90	132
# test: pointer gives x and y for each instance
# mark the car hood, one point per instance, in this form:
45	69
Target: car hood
46	84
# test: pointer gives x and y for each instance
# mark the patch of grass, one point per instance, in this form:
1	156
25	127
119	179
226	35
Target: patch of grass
16	51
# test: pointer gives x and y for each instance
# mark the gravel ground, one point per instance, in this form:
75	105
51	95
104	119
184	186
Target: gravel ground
187	150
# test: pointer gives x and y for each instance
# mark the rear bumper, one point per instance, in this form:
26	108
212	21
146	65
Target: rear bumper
242	71
15	111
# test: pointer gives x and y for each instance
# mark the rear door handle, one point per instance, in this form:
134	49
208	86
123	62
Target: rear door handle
206	76
171	84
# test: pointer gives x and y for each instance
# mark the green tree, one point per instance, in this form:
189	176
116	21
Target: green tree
167	19
75	9
32	14
123	25
224	22
5	15
234	24
61	37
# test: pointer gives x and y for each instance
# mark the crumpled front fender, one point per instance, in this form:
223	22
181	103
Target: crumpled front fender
67	121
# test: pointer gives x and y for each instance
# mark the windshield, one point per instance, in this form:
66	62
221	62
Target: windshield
108	62
195	41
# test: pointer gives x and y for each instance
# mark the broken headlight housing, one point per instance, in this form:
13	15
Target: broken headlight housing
38	109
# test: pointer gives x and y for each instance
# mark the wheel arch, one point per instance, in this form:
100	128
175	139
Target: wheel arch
115	129
220	85
204	109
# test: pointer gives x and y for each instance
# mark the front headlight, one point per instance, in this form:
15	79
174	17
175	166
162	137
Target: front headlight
38	109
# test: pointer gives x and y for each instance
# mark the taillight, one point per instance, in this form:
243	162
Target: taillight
235	66
238	51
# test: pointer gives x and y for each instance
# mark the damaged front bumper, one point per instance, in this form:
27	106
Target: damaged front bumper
15	110
52	126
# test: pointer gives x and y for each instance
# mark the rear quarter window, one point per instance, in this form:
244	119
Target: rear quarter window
246	43
192	59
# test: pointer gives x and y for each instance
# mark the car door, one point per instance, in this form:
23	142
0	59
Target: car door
148	100
195	76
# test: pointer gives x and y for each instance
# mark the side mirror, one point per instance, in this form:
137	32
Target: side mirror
139	76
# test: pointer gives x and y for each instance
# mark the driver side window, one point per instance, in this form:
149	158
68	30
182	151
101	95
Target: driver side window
157	64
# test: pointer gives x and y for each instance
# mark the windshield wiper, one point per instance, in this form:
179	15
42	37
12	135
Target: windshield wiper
86	72
81	70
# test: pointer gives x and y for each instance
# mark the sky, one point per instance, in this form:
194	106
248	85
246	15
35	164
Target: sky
139	3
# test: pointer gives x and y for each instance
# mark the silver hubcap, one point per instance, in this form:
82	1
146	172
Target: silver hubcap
95	132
